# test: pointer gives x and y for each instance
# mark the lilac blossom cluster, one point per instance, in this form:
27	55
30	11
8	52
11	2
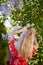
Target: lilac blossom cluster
3	9
13	5
16	4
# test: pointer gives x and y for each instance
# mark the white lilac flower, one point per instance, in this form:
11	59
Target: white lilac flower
3	35
7	24
32	24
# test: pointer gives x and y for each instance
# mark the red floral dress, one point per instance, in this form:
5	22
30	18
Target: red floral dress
16	58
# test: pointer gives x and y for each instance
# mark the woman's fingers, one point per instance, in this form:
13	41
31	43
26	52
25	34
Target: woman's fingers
25	28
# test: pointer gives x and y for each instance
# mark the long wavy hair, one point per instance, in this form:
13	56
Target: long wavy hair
27	43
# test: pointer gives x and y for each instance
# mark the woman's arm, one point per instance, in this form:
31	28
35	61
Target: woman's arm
18	31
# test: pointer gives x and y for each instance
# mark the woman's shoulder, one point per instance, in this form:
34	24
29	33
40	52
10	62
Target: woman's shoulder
12	40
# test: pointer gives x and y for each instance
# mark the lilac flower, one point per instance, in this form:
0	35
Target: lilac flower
16	27
11	5
9	36
3	9
15	4
3	35
32	24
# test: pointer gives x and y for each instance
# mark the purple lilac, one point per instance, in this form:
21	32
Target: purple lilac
3	9
18	4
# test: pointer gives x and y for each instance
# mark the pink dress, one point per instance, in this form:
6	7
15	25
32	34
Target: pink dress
16	58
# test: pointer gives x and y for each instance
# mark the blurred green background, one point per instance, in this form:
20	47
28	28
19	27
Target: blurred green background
31	12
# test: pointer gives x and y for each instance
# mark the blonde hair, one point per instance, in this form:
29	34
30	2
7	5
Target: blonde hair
27	43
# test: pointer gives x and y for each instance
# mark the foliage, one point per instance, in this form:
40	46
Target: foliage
3	43
3	1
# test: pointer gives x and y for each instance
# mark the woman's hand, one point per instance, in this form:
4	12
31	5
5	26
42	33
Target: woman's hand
24	29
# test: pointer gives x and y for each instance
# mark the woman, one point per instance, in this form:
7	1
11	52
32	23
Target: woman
25	49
